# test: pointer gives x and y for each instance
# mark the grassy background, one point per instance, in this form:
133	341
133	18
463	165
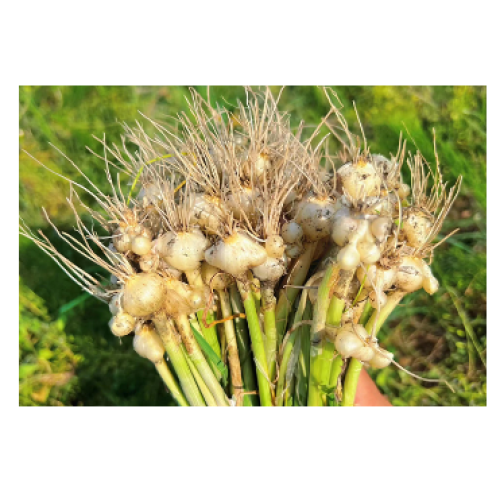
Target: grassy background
68	356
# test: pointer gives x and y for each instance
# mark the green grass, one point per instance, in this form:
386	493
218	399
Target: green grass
439	336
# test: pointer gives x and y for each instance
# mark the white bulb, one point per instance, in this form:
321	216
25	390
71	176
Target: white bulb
315	215
122	324
382	278
143	294
184	251
205	212
348	258
141	245
381	358
343	228
275	246
430	285
369	253
416	227
148	344
291	232
409	276
381	227
215	277
359	179
236	254
294	251
122	241
271	270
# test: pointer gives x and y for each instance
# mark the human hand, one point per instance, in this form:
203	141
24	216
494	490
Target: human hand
368	393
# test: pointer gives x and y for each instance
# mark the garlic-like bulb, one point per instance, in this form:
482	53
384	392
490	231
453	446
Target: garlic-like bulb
122	324
244	201
141	245
275	247
343	228
369	253
381	358
377	299
348	258
291	232
184	250
404	191
381	277
122	241
294	251
215	277
270	270
350	342
315	215
236	254
149	262
409	276
416	227
205	212
381	228
360	178
148	344
261	165
143	294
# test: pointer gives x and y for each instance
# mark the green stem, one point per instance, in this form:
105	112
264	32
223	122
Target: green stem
366	313
336	371
280	391
269	309
169	379
377	319
209	399
329	353
318	356
232	347
196	355
304	361
351	382
287	296
168	335
209	334
244	350
258	348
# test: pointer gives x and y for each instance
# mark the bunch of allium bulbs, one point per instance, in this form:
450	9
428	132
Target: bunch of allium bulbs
251	266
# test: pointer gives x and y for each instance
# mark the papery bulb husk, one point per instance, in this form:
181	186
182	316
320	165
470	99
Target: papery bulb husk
215	277
143	294
275	246
348	258
148	344
184	251
382	277
271	270
122	324
409	276
115	304
359	178
416	227
315	215
292	232
379	359
236	254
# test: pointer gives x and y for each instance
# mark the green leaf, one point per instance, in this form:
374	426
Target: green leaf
73	303
205	347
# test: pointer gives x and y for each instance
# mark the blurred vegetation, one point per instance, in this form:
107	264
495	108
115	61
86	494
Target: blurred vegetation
67	354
